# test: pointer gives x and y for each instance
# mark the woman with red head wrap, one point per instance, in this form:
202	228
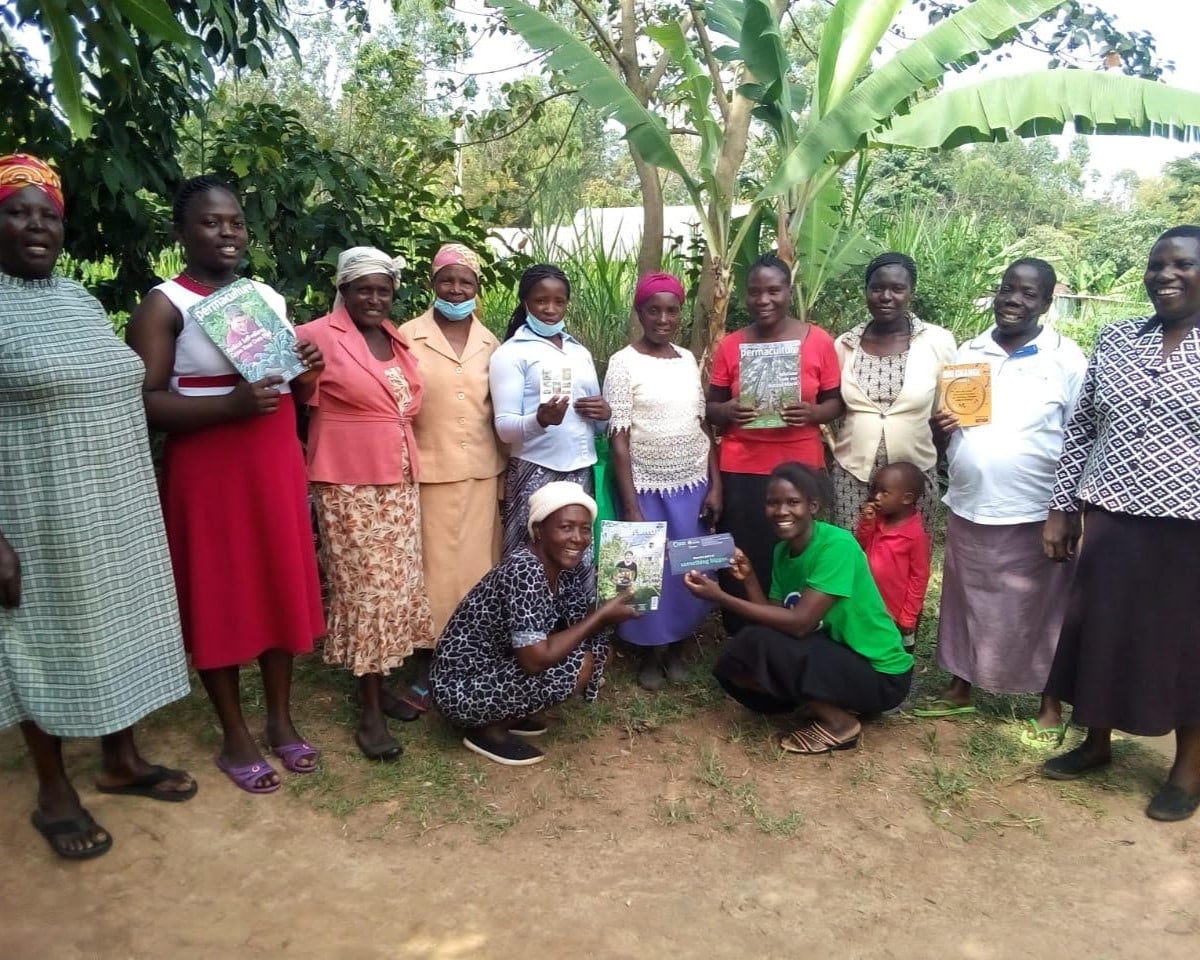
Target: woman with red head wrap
664	462
89	631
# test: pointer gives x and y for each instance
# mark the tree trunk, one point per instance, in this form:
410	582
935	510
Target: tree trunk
653	227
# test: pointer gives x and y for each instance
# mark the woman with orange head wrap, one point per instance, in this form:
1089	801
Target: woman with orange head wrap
89	633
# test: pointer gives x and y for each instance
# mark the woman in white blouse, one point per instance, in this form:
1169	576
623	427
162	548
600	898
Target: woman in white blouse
546	396
664	464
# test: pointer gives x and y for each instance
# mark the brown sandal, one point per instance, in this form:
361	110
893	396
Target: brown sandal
813	739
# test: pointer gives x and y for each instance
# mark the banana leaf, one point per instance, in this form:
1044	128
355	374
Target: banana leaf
848	40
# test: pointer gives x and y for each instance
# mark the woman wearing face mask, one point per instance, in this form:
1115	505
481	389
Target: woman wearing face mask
461	458
548	406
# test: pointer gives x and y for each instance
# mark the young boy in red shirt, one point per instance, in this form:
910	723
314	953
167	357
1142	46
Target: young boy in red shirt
896	544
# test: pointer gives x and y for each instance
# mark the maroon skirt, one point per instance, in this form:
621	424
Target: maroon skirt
235	502
1128	657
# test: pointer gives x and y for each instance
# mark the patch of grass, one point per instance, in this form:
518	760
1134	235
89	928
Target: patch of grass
672	812
744	797
867	772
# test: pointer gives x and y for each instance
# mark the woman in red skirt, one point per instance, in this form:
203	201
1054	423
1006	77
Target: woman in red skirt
234	492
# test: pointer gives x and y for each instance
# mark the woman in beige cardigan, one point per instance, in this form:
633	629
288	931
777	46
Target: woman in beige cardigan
890	368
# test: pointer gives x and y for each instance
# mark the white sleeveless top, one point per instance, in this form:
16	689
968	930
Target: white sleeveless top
195	353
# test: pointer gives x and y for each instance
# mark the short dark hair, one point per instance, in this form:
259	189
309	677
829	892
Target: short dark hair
771	261
1183	231
808	480
1046	275
912	478
195	187
893	259
530	279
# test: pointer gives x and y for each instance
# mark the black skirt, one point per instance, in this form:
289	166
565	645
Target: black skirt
1129	654
744	516
791	670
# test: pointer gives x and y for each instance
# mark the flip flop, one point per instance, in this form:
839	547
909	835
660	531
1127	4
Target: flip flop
813	739
143	786
79	825
940	707
290	754
418	697
1037	737
246	777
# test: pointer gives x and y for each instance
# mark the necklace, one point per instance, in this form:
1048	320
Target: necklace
202	283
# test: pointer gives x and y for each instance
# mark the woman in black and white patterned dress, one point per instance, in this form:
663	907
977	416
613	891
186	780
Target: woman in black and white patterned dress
523	639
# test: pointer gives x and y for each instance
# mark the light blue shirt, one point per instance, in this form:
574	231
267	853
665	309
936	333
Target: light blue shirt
515	375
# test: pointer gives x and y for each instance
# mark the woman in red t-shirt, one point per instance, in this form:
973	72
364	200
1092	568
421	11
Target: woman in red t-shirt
738	397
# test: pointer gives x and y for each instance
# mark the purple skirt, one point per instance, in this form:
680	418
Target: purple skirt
679	611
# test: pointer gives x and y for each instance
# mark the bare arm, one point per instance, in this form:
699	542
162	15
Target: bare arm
622	464
558	646
152	332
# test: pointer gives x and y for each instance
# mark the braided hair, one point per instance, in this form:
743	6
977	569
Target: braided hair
893	259
530	279
190	189
769	261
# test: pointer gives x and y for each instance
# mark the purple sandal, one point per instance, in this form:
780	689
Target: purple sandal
247	777
290	753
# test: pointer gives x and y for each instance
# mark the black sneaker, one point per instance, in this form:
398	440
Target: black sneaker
528	727
1172	803
510	751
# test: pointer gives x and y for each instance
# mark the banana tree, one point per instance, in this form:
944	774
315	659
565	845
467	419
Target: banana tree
849	111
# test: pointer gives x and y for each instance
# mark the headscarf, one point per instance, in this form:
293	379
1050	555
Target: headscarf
20	170
654	283
358	262
455	253
556	495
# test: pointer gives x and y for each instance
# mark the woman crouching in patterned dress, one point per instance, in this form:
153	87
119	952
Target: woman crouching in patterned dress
525	638
362	467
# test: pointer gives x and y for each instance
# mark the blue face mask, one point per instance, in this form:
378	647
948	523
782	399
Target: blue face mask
454	311
544	329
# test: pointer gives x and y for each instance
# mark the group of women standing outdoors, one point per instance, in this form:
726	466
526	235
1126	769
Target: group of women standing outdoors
453	496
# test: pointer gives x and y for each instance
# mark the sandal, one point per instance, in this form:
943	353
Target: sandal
940	707
80	825
1037	737
384	750
418	697
813	739
247	776
290	755
144	786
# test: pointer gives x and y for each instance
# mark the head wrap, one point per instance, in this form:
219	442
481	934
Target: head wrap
654	283
20	170
455	253
556	495
358	262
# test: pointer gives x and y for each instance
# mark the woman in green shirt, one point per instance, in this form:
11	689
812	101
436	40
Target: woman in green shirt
823	642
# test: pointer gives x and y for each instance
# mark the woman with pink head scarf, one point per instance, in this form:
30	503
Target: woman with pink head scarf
461	458
664	462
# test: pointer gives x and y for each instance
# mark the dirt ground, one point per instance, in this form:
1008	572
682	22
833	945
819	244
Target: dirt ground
691	838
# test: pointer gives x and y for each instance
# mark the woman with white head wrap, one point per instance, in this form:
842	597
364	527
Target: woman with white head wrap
526	637
363	471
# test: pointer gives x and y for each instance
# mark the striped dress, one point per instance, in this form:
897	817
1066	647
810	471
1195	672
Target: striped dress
95	644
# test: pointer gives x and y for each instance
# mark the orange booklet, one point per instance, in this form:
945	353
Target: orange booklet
966	392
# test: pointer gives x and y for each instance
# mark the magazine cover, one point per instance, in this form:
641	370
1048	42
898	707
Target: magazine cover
556	382
966	392
768	380
256	339
631	558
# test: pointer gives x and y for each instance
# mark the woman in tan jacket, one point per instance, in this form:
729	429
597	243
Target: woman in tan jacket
461	457
890	369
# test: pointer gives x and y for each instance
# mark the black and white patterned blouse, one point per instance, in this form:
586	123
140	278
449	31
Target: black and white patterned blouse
476	678
1133	444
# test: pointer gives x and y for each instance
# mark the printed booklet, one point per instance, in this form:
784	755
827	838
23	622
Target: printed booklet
966	392
556	382
769	380
631	558
713	551
256	339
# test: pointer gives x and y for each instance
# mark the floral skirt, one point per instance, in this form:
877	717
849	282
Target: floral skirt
370	554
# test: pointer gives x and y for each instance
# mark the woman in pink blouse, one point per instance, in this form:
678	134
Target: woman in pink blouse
362	467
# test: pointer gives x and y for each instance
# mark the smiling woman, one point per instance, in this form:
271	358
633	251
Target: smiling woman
89	633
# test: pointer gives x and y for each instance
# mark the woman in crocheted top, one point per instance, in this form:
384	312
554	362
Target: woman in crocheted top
664	463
